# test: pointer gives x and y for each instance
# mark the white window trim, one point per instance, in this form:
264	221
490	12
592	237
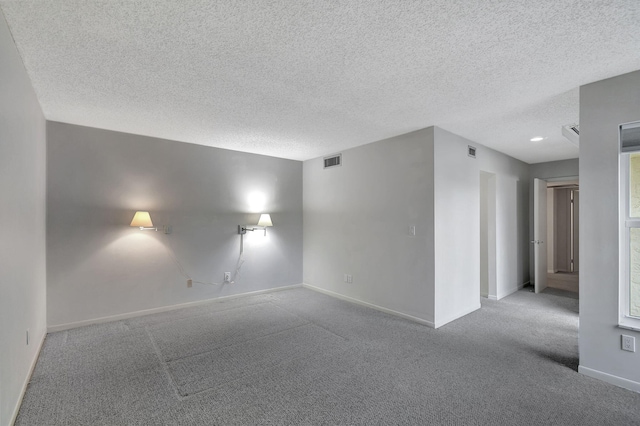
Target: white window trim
625	320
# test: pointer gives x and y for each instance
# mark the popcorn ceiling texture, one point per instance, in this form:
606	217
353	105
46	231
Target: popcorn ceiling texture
305	78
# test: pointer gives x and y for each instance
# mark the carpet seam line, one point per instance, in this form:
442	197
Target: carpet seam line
172	321
235	344
245	376
164	366
309	320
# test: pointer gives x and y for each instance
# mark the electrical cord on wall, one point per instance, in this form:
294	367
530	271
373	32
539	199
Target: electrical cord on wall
236	274
184	273
181	269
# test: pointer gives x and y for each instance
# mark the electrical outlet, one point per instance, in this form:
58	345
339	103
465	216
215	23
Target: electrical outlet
189	283
412	230
628	343
348	278
227	277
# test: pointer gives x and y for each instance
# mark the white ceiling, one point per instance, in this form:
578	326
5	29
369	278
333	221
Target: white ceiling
304	78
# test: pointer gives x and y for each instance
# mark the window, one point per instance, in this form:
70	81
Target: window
630	225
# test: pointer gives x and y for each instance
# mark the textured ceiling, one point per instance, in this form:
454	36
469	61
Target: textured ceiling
304	78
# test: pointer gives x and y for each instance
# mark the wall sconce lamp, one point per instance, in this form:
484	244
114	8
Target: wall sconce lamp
143	221
263	223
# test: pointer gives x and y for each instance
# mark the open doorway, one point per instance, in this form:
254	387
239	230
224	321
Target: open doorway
555	227
563	256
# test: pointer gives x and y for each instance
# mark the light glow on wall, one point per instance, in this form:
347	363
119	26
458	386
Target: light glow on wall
257	202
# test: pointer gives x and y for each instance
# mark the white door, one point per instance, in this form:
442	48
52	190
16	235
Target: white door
540	234
576	230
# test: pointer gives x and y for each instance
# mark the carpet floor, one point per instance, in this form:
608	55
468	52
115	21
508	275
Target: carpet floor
298	357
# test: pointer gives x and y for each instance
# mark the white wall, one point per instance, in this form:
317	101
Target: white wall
604	105
512	219
457	228
509	253
357	218
488	235
555	169
98	266
22	214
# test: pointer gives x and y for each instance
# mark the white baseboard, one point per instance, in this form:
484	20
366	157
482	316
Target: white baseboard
70	325
510	291
27	379
370	305
610	378
457	315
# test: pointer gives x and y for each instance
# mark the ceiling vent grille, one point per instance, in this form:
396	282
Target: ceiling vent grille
471	151
572	132
333	161
630	137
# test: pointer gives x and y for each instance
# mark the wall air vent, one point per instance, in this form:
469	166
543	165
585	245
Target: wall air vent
572	132
333	161
471	151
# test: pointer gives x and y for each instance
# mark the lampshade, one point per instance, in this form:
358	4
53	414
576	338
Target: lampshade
265	220
142	220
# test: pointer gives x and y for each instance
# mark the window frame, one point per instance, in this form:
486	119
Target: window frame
626	223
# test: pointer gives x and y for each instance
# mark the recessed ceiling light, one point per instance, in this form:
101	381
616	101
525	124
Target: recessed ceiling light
537	139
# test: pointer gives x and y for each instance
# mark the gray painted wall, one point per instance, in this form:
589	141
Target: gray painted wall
457	228
99	267
512	218
554	169
22	214
604	105
357	218
487	234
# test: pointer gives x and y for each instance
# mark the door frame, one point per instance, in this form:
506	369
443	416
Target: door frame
539	234
533	257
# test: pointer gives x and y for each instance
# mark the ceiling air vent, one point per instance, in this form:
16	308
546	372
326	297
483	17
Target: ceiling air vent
630	137
572	132
471	151
333	161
